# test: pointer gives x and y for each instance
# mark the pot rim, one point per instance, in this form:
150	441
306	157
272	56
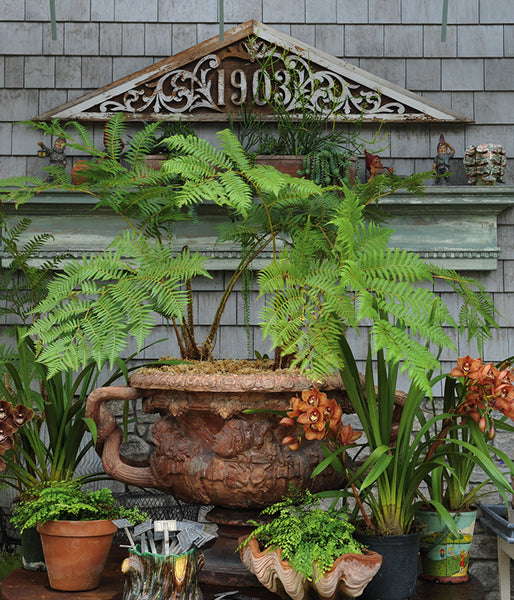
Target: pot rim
94	528
230	382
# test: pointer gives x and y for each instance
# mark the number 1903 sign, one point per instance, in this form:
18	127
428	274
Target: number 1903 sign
249	74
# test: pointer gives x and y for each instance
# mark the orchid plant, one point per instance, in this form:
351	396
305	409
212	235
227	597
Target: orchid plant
12	418
475	395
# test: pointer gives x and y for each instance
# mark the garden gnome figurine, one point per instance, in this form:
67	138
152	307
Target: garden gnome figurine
374	166
55	154
441	164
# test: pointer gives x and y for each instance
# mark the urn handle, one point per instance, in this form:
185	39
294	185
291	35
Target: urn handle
110	436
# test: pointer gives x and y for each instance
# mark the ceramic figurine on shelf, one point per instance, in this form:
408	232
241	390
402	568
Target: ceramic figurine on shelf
441	164
374	166
55	154
485	164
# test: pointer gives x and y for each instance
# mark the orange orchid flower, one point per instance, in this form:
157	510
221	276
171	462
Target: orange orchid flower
467	367
347	435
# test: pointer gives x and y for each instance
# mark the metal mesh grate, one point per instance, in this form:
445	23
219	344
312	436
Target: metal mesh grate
158	506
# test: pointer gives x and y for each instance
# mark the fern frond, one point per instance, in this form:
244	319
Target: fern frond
85	137
233	149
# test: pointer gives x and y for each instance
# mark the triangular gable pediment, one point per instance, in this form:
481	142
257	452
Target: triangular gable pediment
209	81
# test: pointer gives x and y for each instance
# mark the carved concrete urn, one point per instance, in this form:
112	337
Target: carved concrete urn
209	452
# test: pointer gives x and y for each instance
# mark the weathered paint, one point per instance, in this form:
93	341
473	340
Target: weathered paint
213	79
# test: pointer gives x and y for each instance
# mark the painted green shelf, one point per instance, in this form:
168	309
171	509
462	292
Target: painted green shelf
452	226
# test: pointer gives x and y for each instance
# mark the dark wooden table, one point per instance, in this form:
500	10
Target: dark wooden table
30	585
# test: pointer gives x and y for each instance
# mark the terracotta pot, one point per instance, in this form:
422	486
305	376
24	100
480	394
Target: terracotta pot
76	552
208	451
347	578
78	172
288	164
154	161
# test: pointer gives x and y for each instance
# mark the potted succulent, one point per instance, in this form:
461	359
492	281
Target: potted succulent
303	138
76	530
474	393
299	547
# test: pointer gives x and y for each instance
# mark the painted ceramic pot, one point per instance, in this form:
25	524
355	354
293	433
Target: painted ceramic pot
170	577
445	556
347	578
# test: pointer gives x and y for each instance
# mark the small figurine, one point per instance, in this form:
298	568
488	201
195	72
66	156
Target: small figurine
441	164
55	154
485	164
374	166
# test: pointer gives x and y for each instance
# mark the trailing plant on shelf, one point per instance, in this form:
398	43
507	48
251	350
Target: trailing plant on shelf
67	501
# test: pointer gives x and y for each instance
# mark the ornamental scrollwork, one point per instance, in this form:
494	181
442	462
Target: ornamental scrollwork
256	73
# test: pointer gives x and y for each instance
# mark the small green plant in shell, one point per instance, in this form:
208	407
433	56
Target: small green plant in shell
306	533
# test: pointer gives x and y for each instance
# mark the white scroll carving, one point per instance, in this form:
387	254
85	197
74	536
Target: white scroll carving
184	91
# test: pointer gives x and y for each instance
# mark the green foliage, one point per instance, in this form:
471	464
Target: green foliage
51	446
8	563
328	166
320	291
23	284
307	534
66	501
167	129
359	279
95	305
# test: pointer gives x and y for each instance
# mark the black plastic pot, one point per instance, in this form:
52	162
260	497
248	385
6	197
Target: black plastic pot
32	550
396	579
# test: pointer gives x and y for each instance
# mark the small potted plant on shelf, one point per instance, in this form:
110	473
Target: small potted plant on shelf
299	547
76	530
300	136
474	394
158	151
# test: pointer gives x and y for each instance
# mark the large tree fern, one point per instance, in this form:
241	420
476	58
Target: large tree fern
362	281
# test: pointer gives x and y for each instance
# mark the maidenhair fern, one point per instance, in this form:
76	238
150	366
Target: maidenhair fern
309	537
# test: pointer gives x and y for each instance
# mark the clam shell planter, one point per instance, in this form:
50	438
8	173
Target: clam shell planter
347	578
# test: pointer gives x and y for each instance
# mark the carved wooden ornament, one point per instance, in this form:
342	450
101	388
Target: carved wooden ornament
215	79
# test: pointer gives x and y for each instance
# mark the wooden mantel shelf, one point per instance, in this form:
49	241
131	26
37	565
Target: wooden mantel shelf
452	226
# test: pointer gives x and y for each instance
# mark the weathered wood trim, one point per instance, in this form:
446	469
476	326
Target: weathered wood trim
193	85
453	226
